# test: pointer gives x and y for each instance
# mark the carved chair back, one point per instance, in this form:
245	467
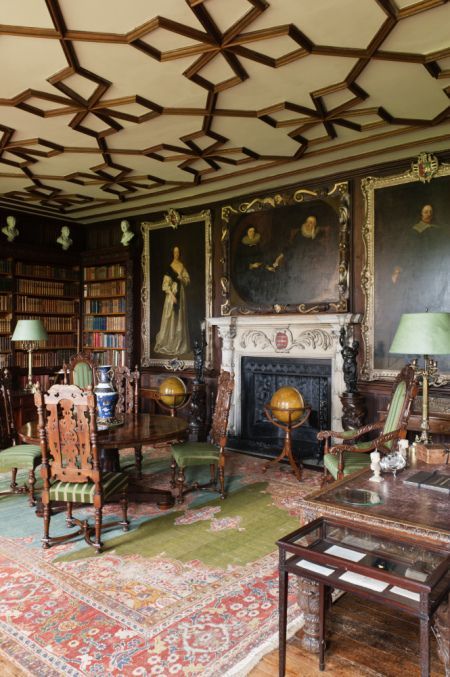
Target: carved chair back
404	391
8	435
81	370
126	383
218	433
67	434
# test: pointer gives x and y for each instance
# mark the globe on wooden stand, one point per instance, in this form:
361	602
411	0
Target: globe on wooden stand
287	411
173	394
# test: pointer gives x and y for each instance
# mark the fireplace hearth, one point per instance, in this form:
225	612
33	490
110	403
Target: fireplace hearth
268	351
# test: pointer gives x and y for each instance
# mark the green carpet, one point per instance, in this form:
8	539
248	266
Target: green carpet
260	525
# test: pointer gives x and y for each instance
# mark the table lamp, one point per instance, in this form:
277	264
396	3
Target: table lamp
426	334
29	332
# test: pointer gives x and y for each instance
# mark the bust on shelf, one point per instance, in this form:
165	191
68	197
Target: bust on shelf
127	233
64	239
10	229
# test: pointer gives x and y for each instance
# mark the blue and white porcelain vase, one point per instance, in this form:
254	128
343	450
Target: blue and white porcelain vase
106	396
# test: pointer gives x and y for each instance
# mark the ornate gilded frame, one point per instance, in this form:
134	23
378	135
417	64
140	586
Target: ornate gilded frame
339	198
174	219
423	170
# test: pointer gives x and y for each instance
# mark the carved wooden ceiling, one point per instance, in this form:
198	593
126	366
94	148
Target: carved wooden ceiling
112	108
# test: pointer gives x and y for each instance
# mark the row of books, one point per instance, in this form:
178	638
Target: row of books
104	306
5	325
6	266
5	344
96	340
112	288
45	359
51	272
5	304
65	324
29	304
44	288
114	357
104	272
92	322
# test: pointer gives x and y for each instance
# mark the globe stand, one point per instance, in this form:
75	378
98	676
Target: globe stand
293	422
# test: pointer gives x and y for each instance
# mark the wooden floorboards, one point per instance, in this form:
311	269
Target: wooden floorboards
364	639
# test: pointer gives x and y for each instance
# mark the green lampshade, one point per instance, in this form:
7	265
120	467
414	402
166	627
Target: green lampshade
422	334
29	330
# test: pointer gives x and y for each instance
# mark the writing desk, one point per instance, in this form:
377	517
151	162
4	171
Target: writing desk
404	510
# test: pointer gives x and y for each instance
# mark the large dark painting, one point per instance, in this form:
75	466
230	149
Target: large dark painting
176	294
287	253
407	270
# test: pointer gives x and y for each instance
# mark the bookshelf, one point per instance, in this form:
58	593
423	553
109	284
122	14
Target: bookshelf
50	293
6	308
105	312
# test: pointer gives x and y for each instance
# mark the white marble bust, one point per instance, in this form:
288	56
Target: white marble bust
10	229
127	233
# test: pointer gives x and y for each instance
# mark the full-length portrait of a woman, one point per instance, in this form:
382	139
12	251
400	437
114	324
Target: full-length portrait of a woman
173	336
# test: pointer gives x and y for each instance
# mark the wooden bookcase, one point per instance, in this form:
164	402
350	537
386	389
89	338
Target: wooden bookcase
51	293
6	309
105	310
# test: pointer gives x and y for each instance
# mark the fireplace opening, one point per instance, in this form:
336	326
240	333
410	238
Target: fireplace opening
260	378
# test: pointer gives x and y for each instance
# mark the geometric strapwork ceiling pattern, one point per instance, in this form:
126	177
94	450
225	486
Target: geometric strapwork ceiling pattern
109	106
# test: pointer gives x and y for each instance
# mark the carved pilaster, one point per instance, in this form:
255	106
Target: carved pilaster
353	410
197	413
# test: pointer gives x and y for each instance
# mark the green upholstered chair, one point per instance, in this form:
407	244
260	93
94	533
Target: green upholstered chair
70	462
14	456
192	454
126	383
81	370
346	458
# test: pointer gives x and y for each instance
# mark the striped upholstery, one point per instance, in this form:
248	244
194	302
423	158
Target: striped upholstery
395	410
83	492
195	453
352	462
21	456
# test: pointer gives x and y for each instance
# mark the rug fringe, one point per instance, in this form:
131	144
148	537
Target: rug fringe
248	663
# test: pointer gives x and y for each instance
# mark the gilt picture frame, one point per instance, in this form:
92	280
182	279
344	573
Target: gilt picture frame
287	252
176	294
407	258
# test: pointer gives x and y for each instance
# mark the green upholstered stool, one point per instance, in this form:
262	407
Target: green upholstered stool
13	456
21	457
187	454
350	456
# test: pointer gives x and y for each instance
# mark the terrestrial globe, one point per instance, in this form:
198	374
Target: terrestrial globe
173	392
287	404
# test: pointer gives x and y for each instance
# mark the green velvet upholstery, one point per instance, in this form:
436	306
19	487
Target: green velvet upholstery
83	492
395	410
21	456
82	375
352	462
195	453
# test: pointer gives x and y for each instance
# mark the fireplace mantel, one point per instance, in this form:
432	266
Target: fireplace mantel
294	336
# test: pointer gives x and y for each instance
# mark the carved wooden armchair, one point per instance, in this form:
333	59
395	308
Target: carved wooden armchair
349	456
81	370
70	462
14	456
189	454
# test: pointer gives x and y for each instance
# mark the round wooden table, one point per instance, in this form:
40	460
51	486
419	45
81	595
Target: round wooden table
139	429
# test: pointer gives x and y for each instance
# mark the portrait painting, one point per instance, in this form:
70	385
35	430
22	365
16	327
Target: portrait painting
176	293
407	268
286	253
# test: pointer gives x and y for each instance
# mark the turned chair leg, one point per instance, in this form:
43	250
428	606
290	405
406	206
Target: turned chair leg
98	530
13	484
173	479
222	481
31	483
124	504
138	461
180	484
46	537
212	471
69	517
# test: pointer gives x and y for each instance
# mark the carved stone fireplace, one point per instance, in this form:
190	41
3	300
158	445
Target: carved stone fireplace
310	341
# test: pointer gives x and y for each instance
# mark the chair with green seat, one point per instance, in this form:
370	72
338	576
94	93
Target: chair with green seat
81	370
70	462
14	456
346	458
195	454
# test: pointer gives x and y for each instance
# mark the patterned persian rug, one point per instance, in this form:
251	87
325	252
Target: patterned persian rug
190	591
